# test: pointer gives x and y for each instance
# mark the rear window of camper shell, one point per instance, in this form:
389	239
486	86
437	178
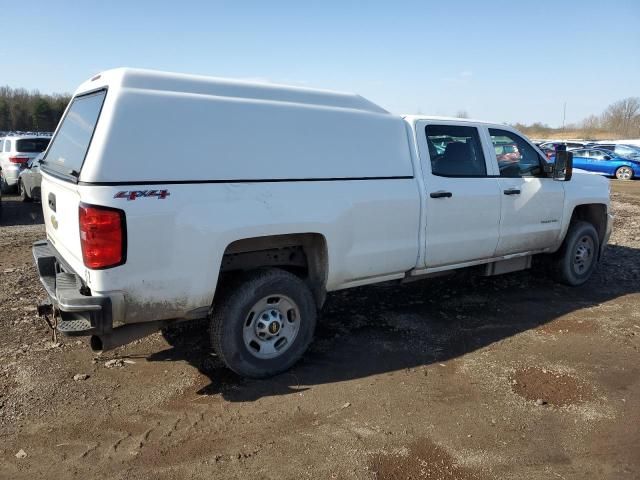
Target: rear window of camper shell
69	147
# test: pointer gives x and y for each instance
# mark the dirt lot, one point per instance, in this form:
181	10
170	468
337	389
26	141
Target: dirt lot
510	377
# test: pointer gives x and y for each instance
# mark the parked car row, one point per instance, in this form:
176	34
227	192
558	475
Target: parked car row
621	150
20	155
606	162
16	152
618	160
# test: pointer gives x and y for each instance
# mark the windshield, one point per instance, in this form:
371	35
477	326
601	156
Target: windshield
70	145
32	145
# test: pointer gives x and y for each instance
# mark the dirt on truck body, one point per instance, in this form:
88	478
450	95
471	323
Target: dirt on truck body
461	377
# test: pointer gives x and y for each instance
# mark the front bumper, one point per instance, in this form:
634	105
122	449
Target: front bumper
80	312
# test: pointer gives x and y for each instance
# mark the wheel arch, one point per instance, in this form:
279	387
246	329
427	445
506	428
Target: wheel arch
304	254
595	214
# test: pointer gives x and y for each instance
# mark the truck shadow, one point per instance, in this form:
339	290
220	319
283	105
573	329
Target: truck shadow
16	212
385	328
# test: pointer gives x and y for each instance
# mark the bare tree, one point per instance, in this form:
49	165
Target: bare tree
623	117
592	122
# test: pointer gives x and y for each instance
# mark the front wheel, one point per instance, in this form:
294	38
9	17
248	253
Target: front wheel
578	255
264	325
624	173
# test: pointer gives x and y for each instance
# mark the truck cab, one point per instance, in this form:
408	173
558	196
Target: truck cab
482	206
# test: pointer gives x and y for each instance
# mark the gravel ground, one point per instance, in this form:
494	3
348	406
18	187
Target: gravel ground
465	377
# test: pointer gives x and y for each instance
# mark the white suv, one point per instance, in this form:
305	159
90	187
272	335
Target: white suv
15	152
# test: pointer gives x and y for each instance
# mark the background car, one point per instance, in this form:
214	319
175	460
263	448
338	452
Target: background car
29	180
621	150
606	163
570	145
549	152
15	153
507	152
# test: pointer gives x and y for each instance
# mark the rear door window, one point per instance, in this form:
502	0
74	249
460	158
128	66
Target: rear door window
70	145
32	145
455	151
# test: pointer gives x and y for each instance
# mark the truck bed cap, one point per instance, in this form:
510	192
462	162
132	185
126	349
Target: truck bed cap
224	87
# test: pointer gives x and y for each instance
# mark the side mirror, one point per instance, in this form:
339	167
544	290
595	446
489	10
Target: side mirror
607	157
563	167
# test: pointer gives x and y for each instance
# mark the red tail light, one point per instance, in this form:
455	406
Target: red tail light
19	159
102	236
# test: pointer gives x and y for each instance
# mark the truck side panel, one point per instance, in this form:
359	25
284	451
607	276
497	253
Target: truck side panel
175	244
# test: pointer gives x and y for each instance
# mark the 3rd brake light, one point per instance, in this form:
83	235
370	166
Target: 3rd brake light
102	236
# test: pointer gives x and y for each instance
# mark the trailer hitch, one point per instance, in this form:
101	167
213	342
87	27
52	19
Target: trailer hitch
46	310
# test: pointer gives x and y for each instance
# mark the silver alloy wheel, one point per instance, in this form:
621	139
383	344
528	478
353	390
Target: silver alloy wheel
271	326
21	189
624	173
583	254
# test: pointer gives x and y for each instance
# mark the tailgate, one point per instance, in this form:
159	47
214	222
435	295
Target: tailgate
60	170
60	202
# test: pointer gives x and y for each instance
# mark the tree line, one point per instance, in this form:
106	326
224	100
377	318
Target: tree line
23	110
621	119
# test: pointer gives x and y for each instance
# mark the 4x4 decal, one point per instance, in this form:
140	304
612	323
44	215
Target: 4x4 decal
133	194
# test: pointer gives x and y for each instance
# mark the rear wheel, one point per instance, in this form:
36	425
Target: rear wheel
578	255
24	196
624	173
263	324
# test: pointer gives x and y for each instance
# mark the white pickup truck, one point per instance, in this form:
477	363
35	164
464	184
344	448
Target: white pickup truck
172	197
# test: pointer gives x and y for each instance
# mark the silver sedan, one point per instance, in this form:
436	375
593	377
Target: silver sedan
29	180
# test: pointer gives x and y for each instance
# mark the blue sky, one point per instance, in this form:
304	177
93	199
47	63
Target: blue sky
505	61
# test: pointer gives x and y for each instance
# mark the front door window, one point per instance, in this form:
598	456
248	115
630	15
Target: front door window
516	157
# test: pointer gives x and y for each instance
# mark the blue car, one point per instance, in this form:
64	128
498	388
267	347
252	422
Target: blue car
607	163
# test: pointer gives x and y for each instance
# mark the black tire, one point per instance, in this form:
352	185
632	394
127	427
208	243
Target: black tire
23	193
581	241
232	313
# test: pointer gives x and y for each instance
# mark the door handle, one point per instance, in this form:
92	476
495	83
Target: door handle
441	194
512	191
